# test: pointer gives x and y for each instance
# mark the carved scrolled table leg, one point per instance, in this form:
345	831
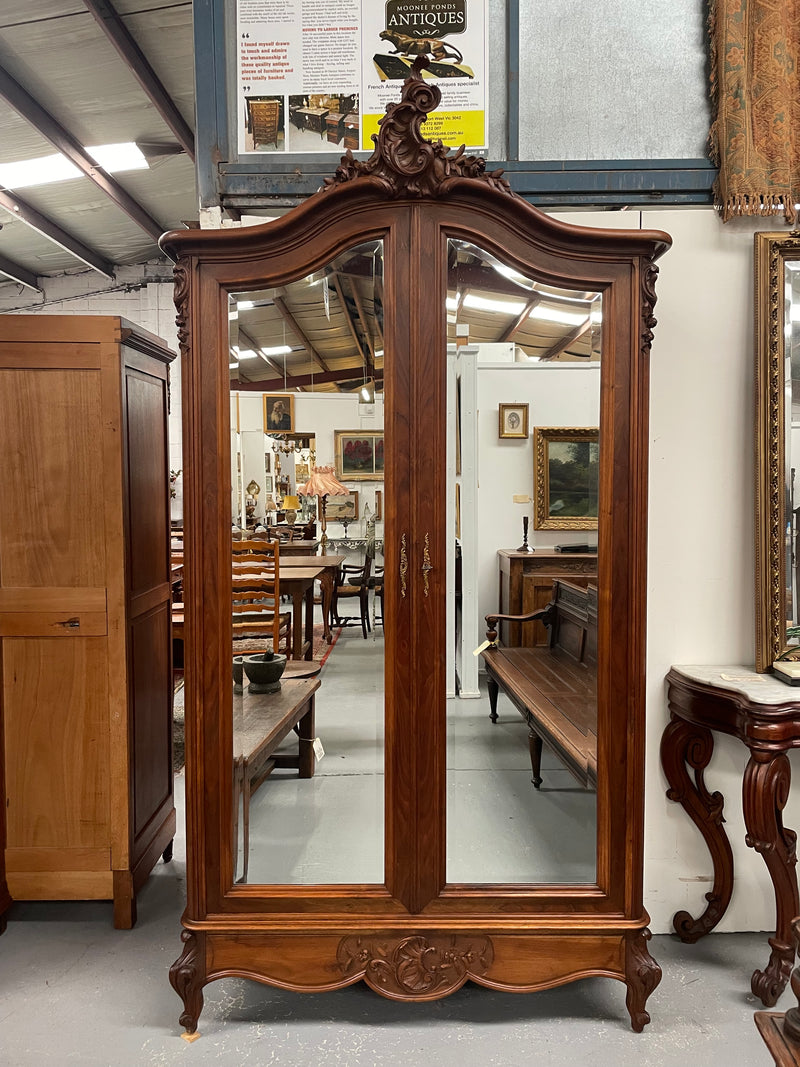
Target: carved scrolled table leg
684	745
765	791
187	978
642	975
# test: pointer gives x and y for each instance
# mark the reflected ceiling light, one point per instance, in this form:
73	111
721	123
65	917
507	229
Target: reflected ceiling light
247	353
511	274
481	303
233	366
379	353
552	315
368	392
57	168
596	315
277	350
243	305
451	303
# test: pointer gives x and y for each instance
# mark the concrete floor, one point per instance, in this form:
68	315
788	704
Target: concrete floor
75	991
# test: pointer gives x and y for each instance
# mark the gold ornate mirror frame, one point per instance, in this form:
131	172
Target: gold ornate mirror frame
772	251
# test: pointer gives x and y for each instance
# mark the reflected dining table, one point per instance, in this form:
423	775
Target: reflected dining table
327	580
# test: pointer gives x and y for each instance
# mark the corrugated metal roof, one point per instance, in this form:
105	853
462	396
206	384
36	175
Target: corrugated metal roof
59	54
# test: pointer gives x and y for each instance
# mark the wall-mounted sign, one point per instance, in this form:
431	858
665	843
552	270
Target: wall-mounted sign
317	76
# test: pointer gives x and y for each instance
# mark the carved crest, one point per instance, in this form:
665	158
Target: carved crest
405	163
417	967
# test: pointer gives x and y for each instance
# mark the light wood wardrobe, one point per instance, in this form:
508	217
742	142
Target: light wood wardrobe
85	654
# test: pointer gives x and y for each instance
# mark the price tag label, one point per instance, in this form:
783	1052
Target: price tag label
319	751
480	648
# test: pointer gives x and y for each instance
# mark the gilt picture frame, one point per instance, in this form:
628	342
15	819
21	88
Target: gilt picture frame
513	421
340	506
278	412
359	455
565	477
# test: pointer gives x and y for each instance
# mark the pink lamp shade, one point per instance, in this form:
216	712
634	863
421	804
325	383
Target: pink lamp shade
323	482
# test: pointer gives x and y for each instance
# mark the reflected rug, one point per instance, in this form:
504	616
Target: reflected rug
322	651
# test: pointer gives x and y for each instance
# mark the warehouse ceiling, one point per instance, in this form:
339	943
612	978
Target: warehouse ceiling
65	85
76	74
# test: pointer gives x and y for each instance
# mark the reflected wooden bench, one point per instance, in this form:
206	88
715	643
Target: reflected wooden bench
554	688
260	722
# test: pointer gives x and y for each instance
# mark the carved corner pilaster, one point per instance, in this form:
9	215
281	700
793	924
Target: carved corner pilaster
181	300
642	975
187	977
416	967
649	321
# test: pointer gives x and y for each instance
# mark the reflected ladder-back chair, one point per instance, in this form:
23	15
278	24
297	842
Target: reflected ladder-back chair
353	581
256	598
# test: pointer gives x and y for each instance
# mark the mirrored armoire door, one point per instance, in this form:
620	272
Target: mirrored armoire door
448	863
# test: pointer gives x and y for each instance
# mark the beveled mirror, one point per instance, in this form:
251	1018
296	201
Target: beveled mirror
777	319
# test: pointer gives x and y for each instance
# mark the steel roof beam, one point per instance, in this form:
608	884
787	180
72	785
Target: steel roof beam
62	139
19	274
120	36
299	381
297	330
27	213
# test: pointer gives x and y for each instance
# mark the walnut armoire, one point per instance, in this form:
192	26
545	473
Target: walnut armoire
415	935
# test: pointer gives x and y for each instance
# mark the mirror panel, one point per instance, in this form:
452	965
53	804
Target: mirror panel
524	363
300	357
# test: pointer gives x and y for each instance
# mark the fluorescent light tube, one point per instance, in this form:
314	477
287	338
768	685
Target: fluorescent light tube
57	168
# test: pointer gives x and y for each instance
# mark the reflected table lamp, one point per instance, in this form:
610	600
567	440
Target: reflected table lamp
322	483
291	506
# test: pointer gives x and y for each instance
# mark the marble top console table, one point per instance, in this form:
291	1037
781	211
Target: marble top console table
764	714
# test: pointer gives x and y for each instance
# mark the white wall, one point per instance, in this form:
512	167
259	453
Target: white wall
701	569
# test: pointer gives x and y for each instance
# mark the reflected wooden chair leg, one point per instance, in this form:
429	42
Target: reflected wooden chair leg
683	744
494	689
535	746
765	791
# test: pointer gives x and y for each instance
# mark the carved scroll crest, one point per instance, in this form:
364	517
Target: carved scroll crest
417	967
403	162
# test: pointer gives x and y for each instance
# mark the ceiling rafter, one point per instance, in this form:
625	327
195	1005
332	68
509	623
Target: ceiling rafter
349	374
27	213
248	339
364	326
566	341
120	36
350	324
296	329
508	333
19	274
52	130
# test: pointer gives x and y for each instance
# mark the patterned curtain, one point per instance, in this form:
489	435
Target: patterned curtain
755	87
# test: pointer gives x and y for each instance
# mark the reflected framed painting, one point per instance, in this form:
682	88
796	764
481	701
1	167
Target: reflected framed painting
359	455
565	477
513	420
278	412
340	506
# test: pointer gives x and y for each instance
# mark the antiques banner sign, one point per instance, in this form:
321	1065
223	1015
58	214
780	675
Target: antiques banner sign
317	75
